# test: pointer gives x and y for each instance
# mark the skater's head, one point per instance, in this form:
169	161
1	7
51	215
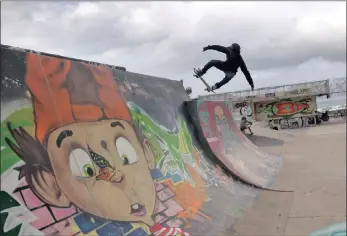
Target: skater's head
236	48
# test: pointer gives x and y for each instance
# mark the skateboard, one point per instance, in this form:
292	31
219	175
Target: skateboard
208	88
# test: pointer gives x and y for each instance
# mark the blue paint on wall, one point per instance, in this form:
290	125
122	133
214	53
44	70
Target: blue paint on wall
338	229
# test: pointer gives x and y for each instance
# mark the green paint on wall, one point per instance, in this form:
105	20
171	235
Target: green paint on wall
22	117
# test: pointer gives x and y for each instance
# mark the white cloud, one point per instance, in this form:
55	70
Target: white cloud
281	41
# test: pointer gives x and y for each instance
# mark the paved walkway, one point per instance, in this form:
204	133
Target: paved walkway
315	168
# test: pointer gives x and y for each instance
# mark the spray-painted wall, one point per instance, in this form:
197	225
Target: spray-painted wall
240	109
90	150
286	108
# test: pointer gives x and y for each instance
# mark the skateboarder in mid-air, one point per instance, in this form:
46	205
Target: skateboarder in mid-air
229	67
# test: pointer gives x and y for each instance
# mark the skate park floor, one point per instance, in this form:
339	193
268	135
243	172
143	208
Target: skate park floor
315	168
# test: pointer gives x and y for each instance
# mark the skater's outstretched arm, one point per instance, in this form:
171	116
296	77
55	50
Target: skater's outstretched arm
217	48
246	73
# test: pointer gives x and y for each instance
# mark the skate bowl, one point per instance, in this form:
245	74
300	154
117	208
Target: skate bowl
89	149
218	132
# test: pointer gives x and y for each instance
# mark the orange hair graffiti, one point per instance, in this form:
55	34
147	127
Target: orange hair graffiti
52	84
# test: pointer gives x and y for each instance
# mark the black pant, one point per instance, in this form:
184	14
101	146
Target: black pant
220	65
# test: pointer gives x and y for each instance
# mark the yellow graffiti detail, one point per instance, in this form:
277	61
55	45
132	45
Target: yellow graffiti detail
182	145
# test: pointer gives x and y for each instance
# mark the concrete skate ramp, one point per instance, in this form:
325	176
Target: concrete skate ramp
87	149
265	130
263	141
217	130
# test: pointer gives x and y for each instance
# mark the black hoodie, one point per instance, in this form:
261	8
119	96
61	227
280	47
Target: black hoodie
233	61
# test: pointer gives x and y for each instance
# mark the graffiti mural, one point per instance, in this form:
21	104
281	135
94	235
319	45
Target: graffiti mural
229	144
82	148
246	111
296	122
295	107
92	150
241	109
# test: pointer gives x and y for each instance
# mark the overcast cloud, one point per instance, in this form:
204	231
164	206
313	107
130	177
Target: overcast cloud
282	42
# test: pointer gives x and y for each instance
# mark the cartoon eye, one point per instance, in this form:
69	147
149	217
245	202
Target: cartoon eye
126	151
80	163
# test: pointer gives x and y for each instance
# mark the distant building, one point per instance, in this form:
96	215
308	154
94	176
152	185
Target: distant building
275	103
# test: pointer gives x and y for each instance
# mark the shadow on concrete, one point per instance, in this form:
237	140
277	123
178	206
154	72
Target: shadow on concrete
264	141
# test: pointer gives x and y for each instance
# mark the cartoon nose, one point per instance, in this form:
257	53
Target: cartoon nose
105	174
117	177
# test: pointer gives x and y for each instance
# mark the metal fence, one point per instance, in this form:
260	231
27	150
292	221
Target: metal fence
317	88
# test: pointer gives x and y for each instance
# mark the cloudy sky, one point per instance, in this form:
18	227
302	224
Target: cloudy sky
282	42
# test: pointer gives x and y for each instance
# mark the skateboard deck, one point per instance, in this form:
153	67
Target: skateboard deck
208	88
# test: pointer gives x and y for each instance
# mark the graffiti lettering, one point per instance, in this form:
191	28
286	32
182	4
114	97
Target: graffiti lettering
263	108
250	97
291	123
285	108
304	90
297	91
242	104
270	95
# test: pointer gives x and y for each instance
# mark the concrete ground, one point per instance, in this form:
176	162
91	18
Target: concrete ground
315	168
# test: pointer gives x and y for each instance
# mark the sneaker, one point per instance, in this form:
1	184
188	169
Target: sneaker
211	88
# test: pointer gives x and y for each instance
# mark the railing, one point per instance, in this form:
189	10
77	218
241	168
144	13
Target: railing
337	86
316	88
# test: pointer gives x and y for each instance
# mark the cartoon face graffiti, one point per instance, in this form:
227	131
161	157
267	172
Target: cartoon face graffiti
87	160
95	158
96	151
86	149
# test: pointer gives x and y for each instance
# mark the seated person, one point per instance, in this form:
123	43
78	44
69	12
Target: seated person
245	124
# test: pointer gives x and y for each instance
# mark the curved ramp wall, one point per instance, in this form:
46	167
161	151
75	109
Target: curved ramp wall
91	150
217	130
